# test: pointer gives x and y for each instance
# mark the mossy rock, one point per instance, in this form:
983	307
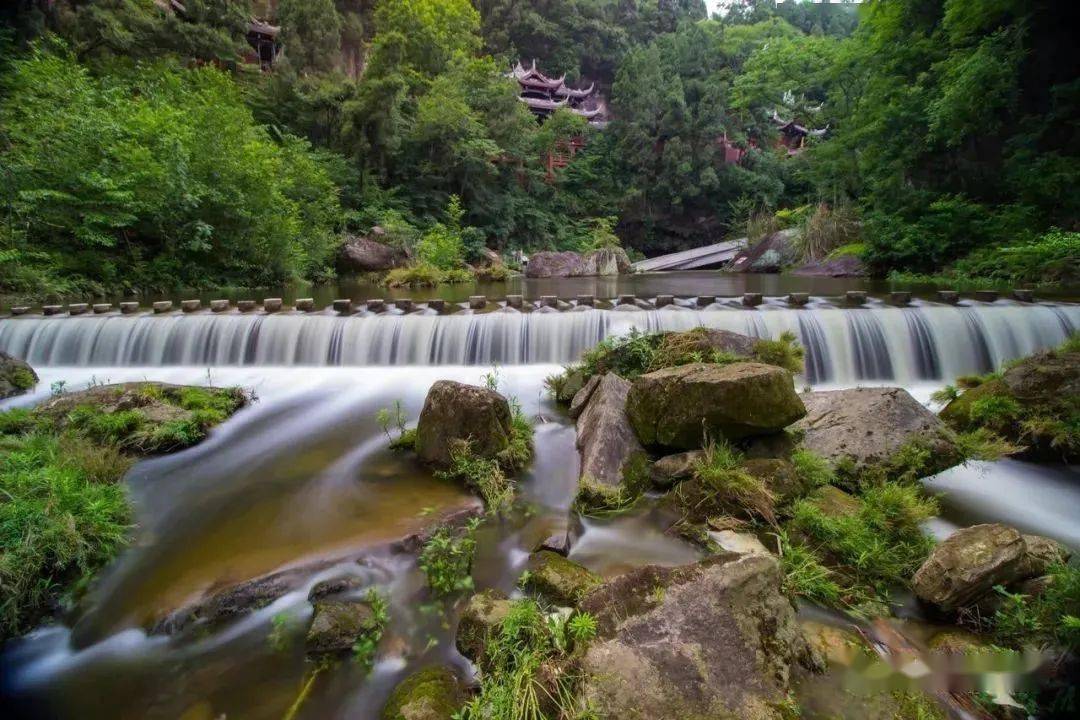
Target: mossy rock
573	380
957	414
682	407
455	412
481	620
780	477
16	376
430	694
559	580
337	626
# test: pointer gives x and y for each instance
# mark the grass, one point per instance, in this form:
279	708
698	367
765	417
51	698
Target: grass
427	275
875	548
484	475
806	576
723	484
600	500
529	672
812	469
365	647
64	514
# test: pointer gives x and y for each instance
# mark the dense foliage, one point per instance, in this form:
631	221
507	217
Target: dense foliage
949	142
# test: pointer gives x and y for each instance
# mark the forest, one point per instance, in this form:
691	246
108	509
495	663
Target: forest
143	148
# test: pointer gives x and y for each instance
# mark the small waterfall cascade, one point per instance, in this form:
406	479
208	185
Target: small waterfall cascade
876	343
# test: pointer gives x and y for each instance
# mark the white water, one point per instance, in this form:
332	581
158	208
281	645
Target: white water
877	343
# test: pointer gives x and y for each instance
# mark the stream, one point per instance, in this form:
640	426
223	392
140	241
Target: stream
303	478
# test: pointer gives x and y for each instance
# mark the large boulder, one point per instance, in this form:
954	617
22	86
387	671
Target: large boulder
682	407
604	436
769	255
559	580
337	625
713	640
433	693
365	254
866	427
968	565
705	340
602	262
842	266
16	376
455	412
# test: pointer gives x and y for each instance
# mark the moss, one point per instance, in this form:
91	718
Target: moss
559	580
430	694
721	485
406	440
22	378
782	352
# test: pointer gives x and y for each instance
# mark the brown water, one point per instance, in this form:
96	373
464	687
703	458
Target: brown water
302	475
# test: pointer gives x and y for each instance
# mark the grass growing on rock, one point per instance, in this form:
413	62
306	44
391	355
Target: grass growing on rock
447	558
722	483
530	672
65	513
872	547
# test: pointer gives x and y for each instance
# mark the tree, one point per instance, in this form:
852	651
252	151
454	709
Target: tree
311	34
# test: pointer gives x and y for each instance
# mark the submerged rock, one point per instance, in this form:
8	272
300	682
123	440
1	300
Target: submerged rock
968	565
455	412
559	580
681	407
867	427
713	640
481	620
433	693
16	376
605	439
337	625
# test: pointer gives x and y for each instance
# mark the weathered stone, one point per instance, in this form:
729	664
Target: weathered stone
363	254
162	306
405	305
836	646
713	640
626	300
336	626
670	470
245	306
1024	295
436	304
838	267
51	309
515	301
335	587
272	305
968	565
586	300
705	300
867	426
664	300
900	297
987	295
305	304
477	302
100	308
433	693
219	305
455	412
550	301
948	296
481	620
751	299
605	438
738	543
127	308
855	297
190	305
573	381
559	580
376	305
798	299
1040	554
559	543
582	397
706	340
78	308
16	376
602	262
769	255
681	407
20	310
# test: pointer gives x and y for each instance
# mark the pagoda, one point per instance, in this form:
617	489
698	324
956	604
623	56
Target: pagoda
793	135
545	95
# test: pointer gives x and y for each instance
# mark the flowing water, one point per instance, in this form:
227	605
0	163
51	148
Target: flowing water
303	479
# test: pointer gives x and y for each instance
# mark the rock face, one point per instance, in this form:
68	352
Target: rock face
336	626
454	412
561	581
769	255
868	426
968	565
671	470
364	254
844	266
713	640
704	340
602	262
680	407
16	376
481	620
605	439
430	694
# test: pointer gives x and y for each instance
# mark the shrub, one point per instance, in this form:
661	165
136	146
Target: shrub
1049	619
783	352
447	559
830	229
418	275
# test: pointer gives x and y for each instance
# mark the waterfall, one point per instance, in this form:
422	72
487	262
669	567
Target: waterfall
924	342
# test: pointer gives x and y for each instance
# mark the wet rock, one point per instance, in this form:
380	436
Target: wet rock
602	262
16	376
582	397
769	255
455	412
1040	553
681	407
573	382
365	254
334	587
605	439
559	580
558	543
225	605
336	626
715	639
866	427
968	565
670	470
843	266
430	694
780	477
481	620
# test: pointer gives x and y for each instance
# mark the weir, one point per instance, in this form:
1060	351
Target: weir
874	343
